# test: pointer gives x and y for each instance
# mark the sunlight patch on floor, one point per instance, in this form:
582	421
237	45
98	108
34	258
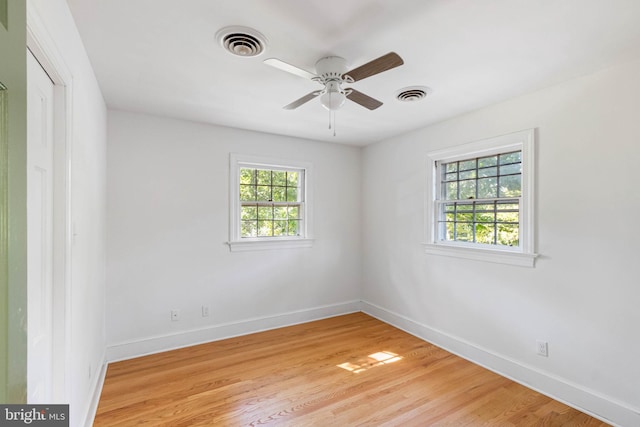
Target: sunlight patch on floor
376	359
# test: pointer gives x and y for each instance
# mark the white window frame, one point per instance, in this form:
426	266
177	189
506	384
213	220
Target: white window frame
522	255
237	243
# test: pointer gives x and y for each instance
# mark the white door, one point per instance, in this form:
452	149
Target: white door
39	233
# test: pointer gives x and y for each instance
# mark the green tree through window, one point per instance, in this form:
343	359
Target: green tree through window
270	202
479	199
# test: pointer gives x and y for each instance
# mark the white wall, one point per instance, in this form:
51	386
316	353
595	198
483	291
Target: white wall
88	206
168	221
582	296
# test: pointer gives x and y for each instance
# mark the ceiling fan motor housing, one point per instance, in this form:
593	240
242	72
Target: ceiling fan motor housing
331	68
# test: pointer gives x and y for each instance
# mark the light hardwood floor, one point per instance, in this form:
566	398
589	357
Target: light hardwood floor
321	373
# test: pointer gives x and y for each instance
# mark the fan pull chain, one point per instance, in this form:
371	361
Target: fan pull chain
334	123
332	117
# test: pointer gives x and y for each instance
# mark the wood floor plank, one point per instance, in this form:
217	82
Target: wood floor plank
346	370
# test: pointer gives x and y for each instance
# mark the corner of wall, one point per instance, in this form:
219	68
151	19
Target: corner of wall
599	406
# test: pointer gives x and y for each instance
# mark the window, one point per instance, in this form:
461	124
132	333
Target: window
480	201
269	203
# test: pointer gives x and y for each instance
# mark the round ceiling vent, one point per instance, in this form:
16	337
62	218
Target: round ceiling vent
413	93
242	41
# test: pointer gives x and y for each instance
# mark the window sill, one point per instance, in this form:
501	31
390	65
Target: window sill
259	245
488	255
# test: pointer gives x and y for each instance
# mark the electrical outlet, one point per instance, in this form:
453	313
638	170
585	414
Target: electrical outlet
205	311
175	315
542	348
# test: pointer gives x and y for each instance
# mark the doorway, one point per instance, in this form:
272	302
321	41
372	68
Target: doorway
48	242
39	233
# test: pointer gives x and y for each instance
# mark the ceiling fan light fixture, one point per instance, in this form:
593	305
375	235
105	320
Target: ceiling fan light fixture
333	100
242	41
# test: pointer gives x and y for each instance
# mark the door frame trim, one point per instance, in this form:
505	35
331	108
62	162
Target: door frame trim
40	44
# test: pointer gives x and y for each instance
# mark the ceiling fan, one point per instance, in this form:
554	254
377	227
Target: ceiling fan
331	73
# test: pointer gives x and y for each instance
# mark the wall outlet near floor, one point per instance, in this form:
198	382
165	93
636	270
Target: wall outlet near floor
175	315
542	348
205	311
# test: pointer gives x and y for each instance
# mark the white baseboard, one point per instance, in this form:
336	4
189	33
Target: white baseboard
137	348
574	395
95	396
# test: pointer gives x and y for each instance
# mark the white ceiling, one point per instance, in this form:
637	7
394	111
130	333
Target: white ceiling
162	57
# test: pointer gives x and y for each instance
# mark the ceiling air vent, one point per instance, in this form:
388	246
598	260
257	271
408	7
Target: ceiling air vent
413	93
242	41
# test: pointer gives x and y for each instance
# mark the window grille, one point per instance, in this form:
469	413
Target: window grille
271	202
480	199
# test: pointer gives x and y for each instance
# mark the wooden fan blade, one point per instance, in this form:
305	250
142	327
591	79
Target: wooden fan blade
384	63
281	65
365	100
295	104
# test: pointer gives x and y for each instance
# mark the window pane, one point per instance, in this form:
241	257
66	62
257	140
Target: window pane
484	207
484	162
263	193
468	164
507	206
450	231
468	174
292	194
514	157
465	207
279	178
264	177
265	212
248	229
464	232
510	186
279	194
247	192
487	172
279	228
511	169
450	207
485	217
293	211
450	217
280	212
294	226
292	179
451	177
249	212
265	228
467	189
464	217
485	233
247	176
451	190
487	188
508	235
508	217
451	167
